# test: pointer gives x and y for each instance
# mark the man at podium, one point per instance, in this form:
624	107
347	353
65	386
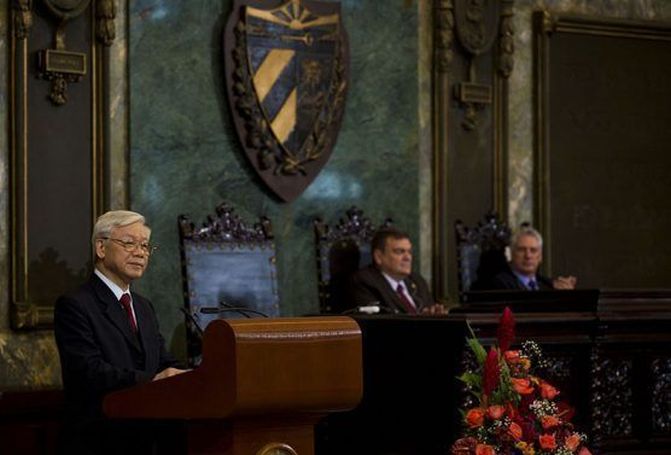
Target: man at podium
107	335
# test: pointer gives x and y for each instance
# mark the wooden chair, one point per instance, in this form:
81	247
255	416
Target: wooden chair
340	252
228	272
481	251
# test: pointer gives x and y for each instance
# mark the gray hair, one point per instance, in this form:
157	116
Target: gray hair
112	220
526	231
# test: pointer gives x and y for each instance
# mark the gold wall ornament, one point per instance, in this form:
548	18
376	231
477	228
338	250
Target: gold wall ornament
477	27
444	34
506	39
105	16
287	78
59	65
23	18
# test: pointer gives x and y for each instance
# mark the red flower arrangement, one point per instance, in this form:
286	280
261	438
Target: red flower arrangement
516	412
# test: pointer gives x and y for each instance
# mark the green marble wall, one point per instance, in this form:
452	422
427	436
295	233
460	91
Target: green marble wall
185	157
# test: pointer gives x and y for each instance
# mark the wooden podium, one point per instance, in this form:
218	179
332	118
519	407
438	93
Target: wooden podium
261	387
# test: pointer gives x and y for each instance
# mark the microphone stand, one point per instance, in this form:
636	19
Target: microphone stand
194	322
226	308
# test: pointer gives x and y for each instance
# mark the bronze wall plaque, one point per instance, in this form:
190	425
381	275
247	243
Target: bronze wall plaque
287	78
52	60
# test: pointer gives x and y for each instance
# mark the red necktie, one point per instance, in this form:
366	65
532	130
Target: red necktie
125	302
409	307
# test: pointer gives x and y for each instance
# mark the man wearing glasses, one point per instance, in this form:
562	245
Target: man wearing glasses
107	335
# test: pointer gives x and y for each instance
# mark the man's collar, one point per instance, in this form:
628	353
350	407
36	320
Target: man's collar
393	281
118	292
524	279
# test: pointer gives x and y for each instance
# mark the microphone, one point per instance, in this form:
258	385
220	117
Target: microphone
228	308
371	308
194	322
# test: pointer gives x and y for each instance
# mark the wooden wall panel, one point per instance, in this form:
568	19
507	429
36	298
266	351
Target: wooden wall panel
603	150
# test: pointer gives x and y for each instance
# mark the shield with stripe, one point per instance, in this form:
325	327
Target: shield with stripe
287	80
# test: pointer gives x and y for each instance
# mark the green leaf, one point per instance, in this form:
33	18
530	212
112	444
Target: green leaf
478	350
474	380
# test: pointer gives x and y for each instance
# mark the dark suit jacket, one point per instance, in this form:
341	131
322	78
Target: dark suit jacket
508	280
368	285
99	353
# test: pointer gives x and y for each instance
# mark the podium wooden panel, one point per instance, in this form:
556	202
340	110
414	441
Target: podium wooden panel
261	382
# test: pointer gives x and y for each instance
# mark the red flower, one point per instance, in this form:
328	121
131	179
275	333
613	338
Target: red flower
506	330
515	431
491	374
572	442
484	449
584	451
522	386
547	391
475	417
547	441
511	356
495	412
549	422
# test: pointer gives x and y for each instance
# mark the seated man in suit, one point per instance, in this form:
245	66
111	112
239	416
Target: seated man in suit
389	281
107	335
522	272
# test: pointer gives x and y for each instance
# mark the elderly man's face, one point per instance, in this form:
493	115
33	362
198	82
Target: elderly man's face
526	255
396	258
124	256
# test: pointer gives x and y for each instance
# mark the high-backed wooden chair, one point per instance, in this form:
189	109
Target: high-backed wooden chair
340	252
228	272
481	251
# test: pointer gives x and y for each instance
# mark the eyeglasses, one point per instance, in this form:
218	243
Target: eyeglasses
130	245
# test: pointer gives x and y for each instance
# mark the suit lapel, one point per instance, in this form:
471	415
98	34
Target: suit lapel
114	312
411	286
143	316
392	296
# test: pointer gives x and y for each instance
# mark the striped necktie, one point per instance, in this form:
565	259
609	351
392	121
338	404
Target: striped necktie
409	307
125	302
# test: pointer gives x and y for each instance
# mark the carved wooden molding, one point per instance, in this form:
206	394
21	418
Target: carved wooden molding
444	34
23	18
506	39
105	17
227	227
612	397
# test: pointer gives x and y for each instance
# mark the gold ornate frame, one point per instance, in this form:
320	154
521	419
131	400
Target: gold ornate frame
27	312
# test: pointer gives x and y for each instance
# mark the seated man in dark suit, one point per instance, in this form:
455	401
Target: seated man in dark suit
107	335
522	272
389	281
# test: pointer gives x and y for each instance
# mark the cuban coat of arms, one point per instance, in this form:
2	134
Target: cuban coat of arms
287	79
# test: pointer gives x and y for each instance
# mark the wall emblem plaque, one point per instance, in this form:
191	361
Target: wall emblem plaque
287	78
